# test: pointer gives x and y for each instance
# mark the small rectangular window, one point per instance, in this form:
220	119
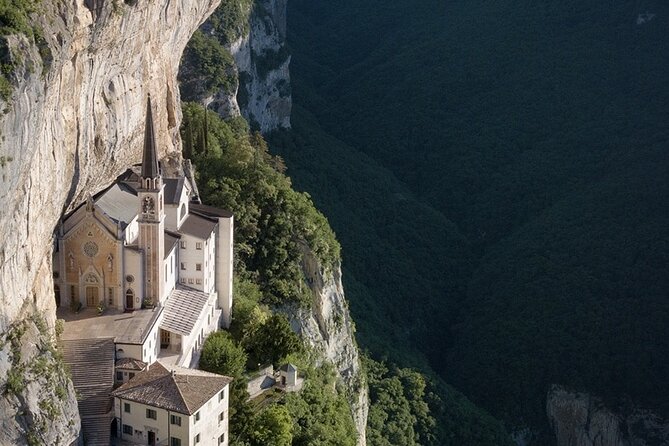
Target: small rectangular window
198	267
151	414
175	420
221	395
197	416
182	244
183	266
196	440
221	439
190	280
221	417
119	376
175	441
182	280
131	375
127	429
126	408
198	281
198	245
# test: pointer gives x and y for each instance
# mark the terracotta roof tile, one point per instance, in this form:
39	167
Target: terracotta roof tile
130	364
183	390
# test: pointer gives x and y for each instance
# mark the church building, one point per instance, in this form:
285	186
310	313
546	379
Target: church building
146	246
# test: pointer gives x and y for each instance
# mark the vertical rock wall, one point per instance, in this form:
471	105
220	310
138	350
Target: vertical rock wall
579	419
70	127
263	62
328	327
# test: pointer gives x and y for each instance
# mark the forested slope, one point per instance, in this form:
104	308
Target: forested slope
496	172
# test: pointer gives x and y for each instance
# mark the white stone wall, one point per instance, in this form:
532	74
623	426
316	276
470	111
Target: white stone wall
171	270
190	257
208	426
133	267
224	268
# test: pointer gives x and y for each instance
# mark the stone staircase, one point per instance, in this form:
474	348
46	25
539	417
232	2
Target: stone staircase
91	362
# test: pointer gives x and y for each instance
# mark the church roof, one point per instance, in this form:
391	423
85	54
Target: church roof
209	211
150	155
119	202
182	310
173	189
179	389
198	226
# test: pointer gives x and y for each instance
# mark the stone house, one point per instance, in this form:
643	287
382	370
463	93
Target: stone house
177	407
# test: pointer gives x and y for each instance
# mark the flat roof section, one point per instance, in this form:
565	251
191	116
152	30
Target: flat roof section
126	328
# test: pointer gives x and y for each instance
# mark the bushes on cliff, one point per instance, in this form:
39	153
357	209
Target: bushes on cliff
273	222
321	416
206	68
230	21
14	16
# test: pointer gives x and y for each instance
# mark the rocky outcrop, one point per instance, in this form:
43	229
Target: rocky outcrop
579	419
328	328
74	122
262	59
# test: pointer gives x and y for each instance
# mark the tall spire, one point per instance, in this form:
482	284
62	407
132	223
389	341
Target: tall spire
150	157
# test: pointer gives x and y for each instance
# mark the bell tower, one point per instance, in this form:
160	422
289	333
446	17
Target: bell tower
151	215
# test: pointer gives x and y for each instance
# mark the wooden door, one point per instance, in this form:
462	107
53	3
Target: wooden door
152	438
92	298
129	299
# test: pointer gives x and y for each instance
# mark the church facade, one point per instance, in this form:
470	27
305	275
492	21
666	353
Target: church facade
147	246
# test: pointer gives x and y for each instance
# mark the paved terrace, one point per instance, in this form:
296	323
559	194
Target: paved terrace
125	328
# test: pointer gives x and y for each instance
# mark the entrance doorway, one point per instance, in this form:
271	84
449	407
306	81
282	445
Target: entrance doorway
129	300
92	298
164	338
152	438
56	293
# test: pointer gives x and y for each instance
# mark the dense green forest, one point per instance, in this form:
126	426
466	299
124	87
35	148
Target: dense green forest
235	171
496	173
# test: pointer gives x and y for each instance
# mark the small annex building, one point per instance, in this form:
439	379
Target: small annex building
175	407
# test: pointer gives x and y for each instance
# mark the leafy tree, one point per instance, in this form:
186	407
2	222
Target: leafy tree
272	340
221	355
272	427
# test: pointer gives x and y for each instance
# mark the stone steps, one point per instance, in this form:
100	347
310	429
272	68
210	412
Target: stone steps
91	364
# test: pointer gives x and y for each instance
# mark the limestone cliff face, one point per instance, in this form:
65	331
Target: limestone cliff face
263	61
579	419
328	327
68	130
